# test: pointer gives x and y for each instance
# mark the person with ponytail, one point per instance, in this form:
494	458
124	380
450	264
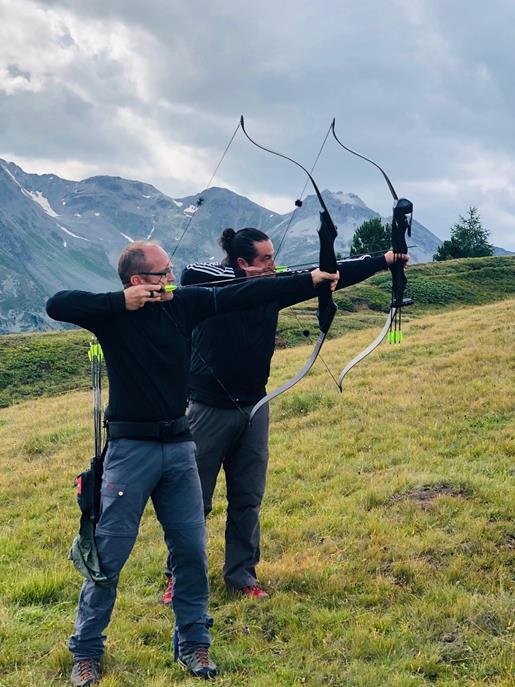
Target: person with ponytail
230	365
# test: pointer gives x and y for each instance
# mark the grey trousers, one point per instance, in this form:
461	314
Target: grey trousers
225	439
167	473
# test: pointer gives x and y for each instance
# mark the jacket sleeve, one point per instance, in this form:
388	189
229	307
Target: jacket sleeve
197	304
206	273
352	271
85	309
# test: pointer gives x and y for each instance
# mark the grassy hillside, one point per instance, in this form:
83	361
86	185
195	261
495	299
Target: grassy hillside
45	364
387	527
33	365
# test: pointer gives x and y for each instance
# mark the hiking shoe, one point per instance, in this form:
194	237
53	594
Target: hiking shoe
254	591
198	663
168	595
85	672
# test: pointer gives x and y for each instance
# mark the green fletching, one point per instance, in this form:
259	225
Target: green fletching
280	268
395	337
168	288
95	351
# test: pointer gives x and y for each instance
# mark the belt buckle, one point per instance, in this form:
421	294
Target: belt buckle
165	430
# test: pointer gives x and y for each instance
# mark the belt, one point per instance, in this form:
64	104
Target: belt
157	431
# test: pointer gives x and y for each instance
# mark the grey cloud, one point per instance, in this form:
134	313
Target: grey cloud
14	71
418	86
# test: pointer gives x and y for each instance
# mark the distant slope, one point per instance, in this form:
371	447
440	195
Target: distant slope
46	364
38	257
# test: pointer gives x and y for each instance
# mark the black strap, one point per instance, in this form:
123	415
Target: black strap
153	431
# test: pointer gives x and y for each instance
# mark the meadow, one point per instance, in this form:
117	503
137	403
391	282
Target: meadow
45	364
387	527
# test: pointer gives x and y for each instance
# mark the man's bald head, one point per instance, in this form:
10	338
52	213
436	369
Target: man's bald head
138	257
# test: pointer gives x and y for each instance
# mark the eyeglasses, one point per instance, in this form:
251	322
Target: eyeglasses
164	273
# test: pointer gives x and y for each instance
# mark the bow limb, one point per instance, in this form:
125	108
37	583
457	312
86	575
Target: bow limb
288	385
327	262
371	347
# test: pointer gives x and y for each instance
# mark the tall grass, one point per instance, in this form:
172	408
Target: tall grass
387	527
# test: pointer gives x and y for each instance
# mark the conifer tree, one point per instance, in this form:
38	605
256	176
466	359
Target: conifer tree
371	237
469	239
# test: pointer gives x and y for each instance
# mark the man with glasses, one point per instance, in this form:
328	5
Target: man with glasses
145	333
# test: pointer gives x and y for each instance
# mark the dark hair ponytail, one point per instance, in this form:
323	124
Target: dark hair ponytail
240	244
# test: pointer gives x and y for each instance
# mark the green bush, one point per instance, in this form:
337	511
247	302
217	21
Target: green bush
438	292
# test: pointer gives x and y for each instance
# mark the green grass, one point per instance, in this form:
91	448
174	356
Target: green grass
34	365
387	527
48	364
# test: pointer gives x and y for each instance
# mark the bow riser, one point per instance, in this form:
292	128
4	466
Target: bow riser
401	225
327	261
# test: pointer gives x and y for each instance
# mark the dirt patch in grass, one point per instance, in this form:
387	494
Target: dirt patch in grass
428	493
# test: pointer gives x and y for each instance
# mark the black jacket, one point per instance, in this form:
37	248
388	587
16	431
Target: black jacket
232	353
147	351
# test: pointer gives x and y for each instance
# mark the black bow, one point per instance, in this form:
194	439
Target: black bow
327	262
401	224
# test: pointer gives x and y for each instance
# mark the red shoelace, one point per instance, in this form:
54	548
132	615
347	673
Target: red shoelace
87	669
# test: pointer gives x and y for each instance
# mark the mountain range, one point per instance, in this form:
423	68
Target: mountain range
60	234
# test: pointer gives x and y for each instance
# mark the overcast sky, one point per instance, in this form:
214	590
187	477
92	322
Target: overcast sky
153	91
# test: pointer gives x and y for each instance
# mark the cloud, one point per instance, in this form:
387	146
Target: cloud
154	90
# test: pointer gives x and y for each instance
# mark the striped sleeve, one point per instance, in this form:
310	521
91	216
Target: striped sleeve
202	272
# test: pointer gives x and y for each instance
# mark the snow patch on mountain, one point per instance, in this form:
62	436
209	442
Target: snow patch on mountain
40	199
36	196
70	233
12	177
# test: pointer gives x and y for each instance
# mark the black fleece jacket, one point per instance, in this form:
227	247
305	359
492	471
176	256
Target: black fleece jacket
147	351
231	354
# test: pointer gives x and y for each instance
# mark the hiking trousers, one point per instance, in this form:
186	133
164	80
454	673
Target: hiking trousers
225	438
135	470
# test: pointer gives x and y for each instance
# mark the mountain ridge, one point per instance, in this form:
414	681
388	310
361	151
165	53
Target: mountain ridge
62	234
